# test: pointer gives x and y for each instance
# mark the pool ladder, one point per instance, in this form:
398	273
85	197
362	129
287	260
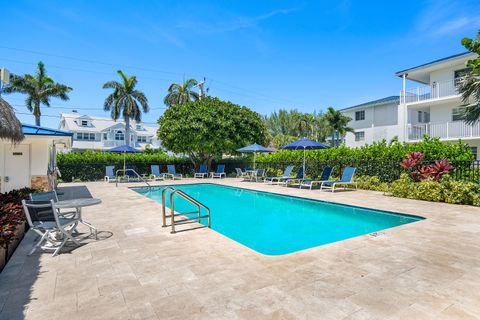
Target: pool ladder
172	214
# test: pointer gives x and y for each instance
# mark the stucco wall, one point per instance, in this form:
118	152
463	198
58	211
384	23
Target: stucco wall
445	74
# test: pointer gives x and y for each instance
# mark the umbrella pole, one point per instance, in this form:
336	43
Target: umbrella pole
304	163
254	164
124	167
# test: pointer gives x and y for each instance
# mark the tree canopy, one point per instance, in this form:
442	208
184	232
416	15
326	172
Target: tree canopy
181	93
209	128
39	88
470	84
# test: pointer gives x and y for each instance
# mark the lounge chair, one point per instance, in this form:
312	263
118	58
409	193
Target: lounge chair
155	172
259	174
131	174
241	173
44	219
172	172
220	172
298	178
202	172
110	174
286	175
326	173
347	178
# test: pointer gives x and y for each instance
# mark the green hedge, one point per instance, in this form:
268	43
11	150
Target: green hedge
90	166
379	159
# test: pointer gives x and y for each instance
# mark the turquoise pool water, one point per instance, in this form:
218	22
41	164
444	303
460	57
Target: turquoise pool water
274	224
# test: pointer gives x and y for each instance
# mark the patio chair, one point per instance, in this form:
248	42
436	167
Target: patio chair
202	172
286	174
44	220
347	178
326	173
298	178
240	173
51	195
110	174
130	173
220	172
172	173
259	175
155	172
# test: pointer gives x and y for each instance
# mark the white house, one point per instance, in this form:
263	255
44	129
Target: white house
431	107
27	163
98	133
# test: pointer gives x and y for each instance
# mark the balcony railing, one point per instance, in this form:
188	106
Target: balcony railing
444	130
436	90
113	143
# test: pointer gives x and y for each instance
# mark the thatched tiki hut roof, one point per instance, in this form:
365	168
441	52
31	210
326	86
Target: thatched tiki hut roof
10	126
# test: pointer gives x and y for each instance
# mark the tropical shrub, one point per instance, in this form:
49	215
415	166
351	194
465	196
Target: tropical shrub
371	183
419	171
11	214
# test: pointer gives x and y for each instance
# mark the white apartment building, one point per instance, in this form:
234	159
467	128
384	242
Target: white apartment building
96	133
431	107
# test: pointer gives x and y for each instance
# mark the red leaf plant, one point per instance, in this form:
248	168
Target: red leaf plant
420	172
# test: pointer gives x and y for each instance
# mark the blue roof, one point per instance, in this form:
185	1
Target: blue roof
400	73
31	130
375	102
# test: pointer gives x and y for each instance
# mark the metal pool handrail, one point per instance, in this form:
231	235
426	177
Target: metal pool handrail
131	170
172	208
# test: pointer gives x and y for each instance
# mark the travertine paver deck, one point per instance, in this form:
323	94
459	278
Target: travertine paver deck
424	270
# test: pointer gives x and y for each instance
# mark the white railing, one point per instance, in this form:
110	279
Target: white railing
113	143
436	90
443	130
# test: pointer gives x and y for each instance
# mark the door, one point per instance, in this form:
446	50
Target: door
17	167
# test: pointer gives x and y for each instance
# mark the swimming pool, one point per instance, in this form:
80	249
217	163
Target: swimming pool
274	224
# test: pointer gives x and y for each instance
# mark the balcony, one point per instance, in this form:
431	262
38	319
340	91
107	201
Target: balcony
437	90
113	143
444	130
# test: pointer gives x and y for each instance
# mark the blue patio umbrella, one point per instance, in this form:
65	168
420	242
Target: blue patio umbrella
255	148
124	149
305	144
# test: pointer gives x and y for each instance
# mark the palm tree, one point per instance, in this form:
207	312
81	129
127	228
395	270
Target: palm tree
124	101
39	89
469	85
338	123
181	93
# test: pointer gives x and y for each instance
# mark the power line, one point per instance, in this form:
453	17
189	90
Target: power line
265	97
58	117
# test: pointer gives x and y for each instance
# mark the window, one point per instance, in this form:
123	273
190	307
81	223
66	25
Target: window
119	136
420	116
457	114
423	117
360	136
84	123
142	139
89	136
474	151
138	127
360	115
105	136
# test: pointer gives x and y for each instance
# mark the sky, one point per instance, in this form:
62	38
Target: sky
266	55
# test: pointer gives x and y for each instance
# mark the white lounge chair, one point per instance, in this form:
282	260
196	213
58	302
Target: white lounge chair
220	172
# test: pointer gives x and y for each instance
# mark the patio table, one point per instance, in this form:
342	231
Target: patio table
78	204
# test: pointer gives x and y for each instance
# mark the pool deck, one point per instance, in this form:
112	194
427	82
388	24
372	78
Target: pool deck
429	269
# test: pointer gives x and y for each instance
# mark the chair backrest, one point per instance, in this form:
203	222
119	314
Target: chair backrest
110	171
44	196
221	168
300	173
202	169
38	211
238	171
326	173
288	171
130	170
171	169
155	169
260	173
348	173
